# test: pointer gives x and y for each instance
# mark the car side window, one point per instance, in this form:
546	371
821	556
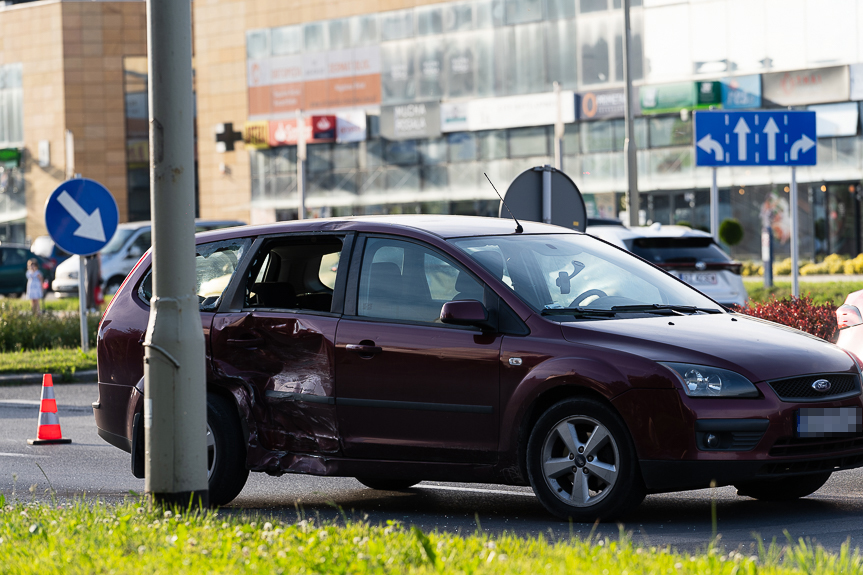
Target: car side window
140	245
406	281
14	257
215	264
296	273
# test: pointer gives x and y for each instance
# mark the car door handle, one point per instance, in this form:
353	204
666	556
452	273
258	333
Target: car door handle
363	349
249	342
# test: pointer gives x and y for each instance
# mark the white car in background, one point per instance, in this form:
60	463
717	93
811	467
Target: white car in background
120	255
691	255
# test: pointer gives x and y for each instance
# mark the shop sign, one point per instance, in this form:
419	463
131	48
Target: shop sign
256	134
669	98
10	158
508	112
741	92
351	127
317	130
856	71
819	85
836	120
603	104
408	121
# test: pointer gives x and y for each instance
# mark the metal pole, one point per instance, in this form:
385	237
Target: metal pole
795	285
558	130
82	303
630	166
175	397
301	166
714	208
546	194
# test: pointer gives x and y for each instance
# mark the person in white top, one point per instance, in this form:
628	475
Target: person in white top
34	285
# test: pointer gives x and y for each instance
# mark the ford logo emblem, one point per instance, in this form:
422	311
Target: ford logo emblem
822	385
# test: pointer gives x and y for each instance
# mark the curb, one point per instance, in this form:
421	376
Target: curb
36	378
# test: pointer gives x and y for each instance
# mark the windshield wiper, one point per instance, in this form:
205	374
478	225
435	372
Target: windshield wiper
661	308
579	311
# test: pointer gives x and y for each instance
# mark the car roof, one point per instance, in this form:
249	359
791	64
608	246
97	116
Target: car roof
443	226
653	231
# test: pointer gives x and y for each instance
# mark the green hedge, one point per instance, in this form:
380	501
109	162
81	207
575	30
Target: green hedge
21	330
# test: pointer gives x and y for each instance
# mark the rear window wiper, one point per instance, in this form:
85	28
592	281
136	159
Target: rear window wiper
660	308
579	311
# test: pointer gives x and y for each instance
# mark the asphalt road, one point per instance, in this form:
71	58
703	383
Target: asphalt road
92	468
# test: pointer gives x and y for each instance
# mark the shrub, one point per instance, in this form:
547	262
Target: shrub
800	313
752	268
782	268
730	232
21	330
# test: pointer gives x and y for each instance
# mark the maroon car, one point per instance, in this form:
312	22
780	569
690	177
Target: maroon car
408	348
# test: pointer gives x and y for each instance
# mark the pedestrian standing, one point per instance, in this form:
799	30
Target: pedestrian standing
34	285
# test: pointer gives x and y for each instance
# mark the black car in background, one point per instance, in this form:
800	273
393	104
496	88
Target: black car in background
13	269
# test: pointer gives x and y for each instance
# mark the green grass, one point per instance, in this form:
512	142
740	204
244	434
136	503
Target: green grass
63	361
23	304
834	292
98	538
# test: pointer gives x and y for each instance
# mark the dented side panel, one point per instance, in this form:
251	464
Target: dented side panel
279	366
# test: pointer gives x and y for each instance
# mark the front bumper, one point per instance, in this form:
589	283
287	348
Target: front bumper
65	286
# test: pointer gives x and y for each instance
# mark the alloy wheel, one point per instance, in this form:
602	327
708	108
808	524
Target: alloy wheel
211	452
580	461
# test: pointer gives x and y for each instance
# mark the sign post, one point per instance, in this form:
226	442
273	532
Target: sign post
758	138
81	216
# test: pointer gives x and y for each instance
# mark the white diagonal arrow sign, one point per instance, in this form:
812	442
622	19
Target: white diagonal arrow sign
804	144
771	129
708	144
89	225
741	129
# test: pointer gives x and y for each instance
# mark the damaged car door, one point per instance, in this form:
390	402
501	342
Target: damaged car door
278	350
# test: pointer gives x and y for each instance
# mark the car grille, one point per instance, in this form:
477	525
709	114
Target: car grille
800	388
790	447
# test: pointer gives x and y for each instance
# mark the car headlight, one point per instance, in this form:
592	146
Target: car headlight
705	381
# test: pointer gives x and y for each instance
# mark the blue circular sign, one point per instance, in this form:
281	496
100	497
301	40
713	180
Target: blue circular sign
81	216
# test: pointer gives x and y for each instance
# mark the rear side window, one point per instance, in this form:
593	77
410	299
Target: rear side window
215	265
677	250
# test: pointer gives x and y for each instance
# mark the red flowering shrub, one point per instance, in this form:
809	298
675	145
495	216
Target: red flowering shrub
800	313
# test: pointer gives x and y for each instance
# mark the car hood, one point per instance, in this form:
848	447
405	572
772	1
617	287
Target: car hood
758	349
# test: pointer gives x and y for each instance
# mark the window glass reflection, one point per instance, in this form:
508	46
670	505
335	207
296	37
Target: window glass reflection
458	17
429	21
462	147
595	57
528	141
528	64
397	72
364	30
430	56
492	144
402	152
522	11
315	35
592	5
340	34
397	24
287	40
669	131
433	151
257	44
562	46
460	59
560	9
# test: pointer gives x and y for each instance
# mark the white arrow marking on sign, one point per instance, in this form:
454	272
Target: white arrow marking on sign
804	144
90	225
771	129
708	144
741	129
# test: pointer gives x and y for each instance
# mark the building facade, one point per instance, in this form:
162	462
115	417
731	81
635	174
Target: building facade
61	69
406	104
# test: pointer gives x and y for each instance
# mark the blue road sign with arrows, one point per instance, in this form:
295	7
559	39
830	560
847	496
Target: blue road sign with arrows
761	138
81	216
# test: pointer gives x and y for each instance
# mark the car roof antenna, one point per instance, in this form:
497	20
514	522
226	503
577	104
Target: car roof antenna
518	228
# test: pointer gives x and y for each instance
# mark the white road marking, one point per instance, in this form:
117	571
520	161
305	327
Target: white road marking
21	455
475	490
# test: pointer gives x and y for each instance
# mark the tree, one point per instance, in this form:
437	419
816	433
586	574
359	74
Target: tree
730	232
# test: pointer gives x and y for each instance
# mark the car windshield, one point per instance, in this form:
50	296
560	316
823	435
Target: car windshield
574	274
677	250
118	241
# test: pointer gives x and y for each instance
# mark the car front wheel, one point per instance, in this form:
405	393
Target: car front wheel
785	489
226	451
581	462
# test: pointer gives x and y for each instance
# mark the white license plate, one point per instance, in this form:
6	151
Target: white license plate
829	421
699	279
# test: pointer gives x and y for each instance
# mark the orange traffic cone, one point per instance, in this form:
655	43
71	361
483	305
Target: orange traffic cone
49	422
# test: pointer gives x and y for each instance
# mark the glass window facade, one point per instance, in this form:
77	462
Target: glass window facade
11	105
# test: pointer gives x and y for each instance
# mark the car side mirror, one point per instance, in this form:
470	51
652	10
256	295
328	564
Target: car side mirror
465	312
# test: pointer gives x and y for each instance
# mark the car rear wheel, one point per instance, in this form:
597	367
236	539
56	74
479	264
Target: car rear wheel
388	484
784	489
226	451
581	462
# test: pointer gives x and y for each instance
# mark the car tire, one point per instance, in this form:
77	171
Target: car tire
226	451
785	489
388	484
559	450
